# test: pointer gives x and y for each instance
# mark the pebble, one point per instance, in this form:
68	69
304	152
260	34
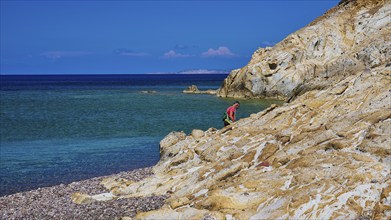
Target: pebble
55	202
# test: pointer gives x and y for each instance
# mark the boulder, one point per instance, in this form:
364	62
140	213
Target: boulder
166	145
197	134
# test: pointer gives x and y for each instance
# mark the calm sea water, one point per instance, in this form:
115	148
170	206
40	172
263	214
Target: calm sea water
59	129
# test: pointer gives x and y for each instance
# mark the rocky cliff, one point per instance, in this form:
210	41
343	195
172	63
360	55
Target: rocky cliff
350	37
324	155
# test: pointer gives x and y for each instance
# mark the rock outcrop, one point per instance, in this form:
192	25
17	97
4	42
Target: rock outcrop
193	89
326	154
350	37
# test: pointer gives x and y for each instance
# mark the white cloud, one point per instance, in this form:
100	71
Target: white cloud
61	54
219	52
172	54
127	52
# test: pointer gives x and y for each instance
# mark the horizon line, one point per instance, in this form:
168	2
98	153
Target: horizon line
62	74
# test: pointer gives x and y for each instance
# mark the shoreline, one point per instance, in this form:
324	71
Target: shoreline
55	202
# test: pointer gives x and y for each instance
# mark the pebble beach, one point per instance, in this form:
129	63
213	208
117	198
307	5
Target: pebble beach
55	202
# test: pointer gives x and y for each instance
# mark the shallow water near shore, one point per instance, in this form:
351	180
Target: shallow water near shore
60	129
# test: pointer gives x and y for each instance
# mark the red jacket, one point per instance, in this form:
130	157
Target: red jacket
231	111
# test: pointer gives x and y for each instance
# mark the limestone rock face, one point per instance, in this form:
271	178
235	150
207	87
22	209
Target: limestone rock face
350	37
326	154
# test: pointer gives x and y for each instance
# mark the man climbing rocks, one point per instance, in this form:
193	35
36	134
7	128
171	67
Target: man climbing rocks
229	116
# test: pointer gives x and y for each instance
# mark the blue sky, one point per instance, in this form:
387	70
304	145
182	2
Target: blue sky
127	37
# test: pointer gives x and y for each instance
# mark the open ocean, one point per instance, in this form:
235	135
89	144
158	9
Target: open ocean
63	128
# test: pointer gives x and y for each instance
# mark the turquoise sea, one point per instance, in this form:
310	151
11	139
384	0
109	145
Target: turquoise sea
63	128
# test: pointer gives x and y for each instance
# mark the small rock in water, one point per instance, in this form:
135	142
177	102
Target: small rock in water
148	91
191	89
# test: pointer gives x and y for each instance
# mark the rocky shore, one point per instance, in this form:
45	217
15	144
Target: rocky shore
56	202
325	154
